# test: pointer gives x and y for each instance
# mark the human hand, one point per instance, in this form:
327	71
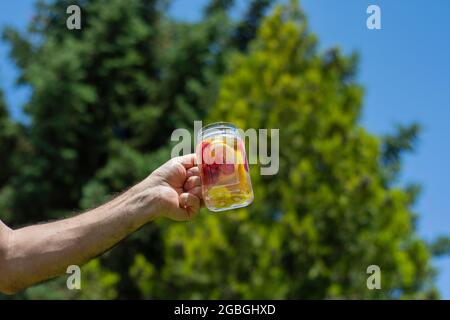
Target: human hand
177	186
45	250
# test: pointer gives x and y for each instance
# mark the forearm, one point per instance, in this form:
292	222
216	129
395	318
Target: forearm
44	251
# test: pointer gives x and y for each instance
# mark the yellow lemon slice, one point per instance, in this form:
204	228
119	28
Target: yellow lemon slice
219	192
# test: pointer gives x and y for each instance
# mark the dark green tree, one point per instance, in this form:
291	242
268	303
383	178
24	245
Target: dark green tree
7	141
13	145
105	100
247	28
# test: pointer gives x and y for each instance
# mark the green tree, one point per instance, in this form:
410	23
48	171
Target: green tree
105	100
329	213
13	144
5	142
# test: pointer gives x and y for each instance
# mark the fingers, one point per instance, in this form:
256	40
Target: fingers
190	204
188	161
196	191
194	171
192	182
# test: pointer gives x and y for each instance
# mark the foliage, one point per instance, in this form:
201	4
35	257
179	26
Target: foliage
328	214
105	101
441	246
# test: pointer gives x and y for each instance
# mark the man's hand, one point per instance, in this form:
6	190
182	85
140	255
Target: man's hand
178	188
35	253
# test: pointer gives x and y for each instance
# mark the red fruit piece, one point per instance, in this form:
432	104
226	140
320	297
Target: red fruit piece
210	173
205	144
227	168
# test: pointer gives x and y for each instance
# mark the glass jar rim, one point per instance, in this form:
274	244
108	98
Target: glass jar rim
215	127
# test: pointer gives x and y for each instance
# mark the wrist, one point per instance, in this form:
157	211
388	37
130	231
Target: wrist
144	203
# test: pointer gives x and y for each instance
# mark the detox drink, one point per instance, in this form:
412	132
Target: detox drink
223	167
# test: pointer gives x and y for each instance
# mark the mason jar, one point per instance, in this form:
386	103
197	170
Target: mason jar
223	166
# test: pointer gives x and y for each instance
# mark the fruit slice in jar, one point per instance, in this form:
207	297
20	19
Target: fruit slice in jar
219	197
242	158
218	160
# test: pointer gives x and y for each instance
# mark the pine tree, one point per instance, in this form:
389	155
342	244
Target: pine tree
105	100
13	144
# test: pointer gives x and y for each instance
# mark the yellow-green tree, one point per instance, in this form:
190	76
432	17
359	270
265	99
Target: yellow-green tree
328	214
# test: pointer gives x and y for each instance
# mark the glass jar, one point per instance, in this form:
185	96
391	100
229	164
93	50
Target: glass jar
223	166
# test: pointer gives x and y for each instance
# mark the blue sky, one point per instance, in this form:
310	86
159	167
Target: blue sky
404	67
